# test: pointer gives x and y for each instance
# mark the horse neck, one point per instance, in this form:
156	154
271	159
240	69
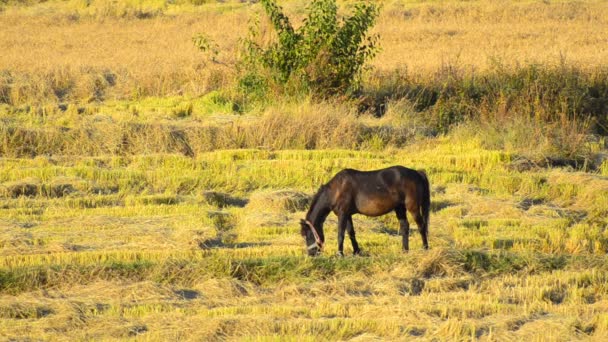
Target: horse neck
318	210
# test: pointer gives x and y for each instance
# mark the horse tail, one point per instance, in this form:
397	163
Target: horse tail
425	203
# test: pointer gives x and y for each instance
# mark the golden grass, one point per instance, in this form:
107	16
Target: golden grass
131	254
328	125
64	51
120	218
475	35
111	57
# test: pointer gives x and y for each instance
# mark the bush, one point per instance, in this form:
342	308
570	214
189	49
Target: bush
324	56
564	95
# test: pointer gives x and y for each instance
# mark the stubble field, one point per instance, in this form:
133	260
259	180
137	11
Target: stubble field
137	203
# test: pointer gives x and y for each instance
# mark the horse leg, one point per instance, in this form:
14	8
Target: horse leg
351	234
342	223
423	228
404	227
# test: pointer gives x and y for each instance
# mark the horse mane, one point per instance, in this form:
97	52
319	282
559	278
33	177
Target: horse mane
314	201
316	197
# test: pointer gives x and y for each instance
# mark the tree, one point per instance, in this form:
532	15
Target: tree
325	55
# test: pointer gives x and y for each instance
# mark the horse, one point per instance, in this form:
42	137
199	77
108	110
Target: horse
371	193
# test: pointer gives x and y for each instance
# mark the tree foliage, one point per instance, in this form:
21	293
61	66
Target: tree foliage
325	55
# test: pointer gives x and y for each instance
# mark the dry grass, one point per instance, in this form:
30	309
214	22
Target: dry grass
89	58
67	52
327	125
540	143
281	200
124	216
133	254
426	36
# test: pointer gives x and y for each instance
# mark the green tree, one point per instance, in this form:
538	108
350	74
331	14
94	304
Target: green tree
325	55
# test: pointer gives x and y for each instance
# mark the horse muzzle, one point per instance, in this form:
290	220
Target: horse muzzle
314	249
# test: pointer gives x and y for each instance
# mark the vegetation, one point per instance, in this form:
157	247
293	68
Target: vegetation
511	250
142	197
325	55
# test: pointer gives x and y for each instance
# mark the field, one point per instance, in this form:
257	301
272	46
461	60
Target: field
139	200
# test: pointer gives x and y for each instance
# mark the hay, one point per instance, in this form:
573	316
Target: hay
28	187
281	200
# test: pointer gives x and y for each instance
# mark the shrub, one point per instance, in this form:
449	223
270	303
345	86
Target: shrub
562	95
325	55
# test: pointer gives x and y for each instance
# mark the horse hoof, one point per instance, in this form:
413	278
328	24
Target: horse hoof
340	254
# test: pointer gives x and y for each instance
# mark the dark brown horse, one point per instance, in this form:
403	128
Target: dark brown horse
371	193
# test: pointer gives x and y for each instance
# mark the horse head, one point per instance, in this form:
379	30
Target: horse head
314	243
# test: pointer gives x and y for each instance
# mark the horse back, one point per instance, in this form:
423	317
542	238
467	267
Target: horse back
390	179
375	192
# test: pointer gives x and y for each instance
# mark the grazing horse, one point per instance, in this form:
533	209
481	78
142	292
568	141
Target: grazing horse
371	193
